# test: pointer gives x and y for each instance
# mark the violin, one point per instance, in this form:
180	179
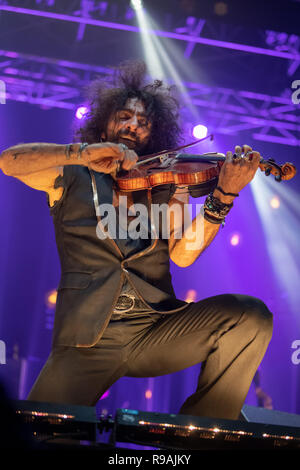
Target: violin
199	172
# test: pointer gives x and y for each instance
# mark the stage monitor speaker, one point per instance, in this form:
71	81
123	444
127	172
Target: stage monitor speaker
170	431
254	414
52	420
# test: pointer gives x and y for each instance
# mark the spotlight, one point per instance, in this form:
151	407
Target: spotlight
51	298
235	239
275	203
200	131
190	296
148	394
81	112
136	4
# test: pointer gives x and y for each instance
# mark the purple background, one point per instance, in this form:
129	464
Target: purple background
29	260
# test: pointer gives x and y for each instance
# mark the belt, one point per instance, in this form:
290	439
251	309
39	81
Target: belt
127	302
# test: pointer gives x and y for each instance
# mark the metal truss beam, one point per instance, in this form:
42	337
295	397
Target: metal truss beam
44	81
271	118
58	84
293	55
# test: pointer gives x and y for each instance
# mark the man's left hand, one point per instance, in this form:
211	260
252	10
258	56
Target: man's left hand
237	172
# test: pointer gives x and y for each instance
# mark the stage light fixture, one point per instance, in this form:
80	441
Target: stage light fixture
81	112
136	4
51	298
190	296
199	131
275	202
235	239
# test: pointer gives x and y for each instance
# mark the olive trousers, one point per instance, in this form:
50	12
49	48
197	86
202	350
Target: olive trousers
228	334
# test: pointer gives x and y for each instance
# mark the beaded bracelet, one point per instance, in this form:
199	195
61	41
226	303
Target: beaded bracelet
213	220
216	208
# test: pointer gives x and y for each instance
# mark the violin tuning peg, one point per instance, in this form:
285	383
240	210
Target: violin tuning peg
267	171
278	178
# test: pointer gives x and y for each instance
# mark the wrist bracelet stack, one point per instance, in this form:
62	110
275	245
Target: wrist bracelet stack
215	211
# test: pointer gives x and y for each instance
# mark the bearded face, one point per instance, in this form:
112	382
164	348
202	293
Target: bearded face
130	126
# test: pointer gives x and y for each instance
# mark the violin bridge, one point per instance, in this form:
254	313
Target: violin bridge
166	160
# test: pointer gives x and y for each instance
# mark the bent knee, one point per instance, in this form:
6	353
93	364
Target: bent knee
256	312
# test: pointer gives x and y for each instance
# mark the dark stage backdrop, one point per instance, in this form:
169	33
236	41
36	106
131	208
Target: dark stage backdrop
30	270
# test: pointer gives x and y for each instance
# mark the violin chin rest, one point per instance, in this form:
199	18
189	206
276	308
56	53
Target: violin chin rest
202	189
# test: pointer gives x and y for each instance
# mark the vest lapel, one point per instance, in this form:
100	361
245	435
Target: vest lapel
102	187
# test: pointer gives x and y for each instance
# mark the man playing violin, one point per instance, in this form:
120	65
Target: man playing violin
116	312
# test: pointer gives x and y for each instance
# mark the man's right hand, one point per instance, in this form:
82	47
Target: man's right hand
108	157
39	164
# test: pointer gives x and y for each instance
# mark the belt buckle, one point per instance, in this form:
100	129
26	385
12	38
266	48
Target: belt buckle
128	301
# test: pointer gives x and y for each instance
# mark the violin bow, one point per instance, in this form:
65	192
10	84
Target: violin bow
285	172
149	158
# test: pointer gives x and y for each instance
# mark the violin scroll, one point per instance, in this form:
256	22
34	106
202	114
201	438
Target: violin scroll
286	171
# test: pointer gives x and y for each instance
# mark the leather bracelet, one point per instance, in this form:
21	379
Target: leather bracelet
215	207
214	220
226	194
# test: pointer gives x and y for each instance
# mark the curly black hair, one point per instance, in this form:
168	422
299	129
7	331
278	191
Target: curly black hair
105	97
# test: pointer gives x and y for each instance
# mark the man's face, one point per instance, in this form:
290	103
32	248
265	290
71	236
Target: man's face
129	126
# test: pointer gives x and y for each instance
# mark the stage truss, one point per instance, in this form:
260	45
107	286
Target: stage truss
50	82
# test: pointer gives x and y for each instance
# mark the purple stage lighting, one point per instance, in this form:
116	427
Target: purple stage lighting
199	131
